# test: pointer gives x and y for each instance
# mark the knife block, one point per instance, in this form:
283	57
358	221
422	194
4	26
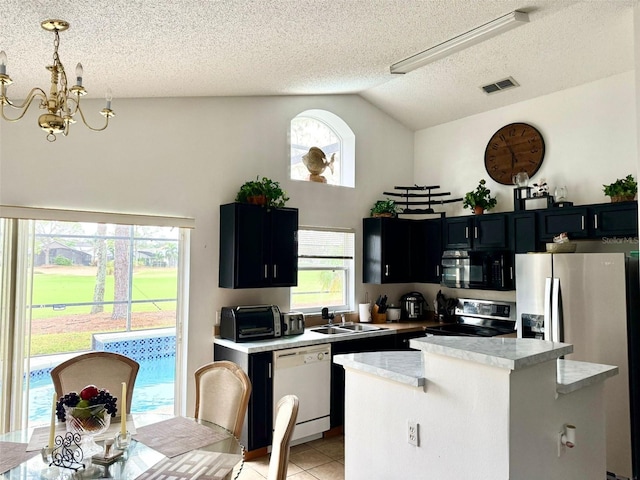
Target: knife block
377	317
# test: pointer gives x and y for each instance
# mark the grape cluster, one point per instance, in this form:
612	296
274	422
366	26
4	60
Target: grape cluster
72	399
104	397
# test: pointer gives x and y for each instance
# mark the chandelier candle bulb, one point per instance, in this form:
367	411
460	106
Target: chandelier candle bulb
79	72
52	426
123	410
108	97
3	63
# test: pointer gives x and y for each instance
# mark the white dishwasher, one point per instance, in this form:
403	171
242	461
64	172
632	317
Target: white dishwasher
306	373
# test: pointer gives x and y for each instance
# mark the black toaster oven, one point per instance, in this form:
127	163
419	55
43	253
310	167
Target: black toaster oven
249	323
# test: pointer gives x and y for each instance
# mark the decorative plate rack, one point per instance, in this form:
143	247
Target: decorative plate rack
426	197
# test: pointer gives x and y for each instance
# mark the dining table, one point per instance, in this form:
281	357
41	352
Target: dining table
163	446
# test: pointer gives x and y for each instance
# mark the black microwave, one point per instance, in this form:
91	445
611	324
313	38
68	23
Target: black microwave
488	270
249	323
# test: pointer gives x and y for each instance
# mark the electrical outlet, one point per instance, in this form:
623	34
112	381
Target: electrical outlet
413	436
217	320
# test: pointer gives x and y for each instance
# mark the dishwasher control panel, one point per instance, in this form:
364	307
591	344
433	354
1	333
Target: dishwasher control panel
318	357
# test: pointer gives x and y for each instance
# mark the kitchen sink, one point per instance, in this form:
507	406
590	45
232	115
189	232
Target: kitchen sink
331	330
358	327
342	328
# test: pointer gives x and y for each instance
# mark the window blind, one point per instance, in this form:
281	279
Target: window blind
31	213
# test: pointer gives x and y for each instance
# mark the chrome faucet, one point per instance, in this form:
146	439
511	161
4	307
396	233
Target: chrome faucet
326	316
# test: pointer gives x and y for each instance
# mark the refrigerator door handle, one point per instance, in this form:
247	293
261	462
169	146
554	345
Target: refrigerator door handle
547	309
555	311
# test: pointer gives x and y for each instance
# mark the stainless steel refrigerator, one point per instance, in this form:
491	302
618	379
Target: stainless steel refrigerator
591	301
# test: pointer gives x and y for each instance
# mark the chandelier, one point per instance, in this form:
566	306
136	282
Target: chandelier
62	103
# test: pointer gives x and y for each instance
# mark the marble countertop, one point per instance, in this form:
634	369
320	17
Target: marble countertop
511	353
403	367
574	375
309	337
406	367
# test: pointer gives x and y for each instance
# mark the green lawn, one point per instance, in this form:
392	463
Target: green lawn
63	289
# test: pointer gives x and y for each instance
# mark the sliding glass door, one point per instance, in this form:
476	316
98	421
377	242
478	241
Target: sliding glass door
92	286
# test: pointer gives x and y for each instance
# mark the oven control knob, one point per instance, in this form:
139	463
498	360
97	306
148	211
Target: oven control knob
320	356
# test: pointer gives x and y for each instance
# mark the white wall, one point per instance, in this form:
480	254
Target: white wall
590	139
589	133
185	157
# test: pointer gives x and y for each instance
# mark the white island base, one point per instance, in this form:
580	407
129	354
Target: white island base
486	409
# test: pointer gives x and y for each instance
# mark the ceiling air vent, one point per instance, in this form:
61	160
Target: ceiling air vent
500	85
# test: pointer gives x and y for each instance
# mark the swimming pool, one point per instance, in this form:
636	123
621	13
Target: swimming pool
153	390
154	350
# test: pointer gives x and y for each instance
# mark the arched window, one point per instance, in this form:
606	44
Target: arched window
329	133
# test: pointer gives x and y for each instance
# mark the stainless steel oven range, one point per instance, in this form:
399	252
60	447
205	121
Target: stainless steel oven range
479	318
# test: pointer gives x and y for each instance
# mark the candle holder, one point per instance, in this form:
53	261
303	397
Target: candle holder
46	453
123	441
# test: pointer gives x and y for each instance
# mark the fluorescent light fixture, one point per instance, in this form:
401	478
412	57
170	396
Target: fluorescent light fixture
455	44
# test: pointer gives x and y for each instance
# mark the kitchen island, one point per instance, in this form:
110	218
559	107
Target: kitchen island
485	408
256	358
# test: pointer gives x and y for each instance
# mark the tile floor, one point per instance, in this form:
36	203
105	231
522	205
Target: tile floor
321	459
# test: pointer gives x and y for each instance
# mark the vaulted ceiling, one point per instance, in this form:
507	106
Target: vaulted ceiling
175	48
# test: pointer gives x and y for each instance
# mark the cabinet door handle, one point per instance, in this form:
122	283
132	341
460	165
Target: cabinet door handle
275	271
386	270
269	372
582	218
475	232
511	272
437	270
595	221
466	232
266	270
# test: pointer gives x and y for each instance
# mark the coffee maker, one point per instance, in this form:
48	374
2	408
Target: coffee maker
414	306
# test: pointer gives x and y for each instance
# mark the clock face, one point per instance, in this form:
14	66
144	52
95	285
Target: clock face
515	148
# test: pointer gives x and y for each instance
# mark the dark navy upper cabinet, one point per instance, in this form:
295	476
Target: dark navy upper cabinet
258	246
614	219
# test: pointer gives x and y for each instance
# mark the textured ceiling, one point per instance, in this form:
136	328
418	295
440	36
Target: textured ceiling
177	48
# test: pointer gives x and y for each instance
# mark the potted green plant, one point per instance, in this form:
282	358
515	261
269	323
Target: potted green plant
479	199
264	192
622	190
384	208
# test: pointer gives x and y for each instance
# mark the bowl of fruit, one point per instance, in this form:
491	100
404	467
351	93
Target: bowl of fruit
87	413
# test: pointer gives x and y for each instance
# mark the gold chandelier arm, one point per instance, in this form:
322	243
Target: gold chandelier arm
33	94
84	120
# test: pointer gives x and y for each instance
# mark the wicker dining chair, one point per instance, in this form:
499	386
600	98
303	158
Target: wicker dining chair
222	395
285	422
103	369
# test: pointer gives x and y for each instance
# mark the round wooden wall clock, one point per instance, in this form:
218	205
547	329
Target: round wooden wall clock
514	148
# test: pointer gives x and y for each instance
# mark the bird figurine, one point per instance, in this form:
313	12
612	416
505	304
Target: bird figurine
316	162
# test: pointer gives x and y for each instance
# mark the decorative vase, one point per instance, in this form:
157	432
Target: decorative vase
478	210
622	198
386	215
